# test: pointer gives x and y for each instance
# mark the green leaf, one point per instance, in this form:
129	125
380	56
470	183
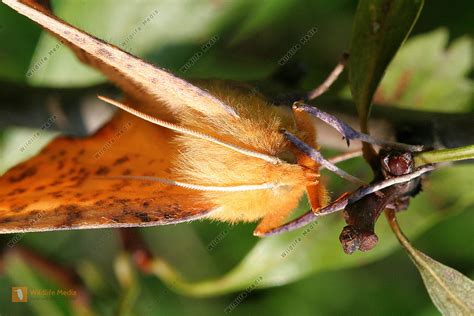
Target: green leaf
264	13
380	27
18	144
427	75
445	155
21	38
451	291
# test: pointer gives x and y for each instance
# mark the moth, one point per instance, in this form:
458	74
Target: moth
178	152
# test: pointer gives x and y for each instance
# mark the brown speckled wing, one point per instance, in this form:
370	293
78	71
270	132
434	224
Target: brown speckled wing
144	82
64	187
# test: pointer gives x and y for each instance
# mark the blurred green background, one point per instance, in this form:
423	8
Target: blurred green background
315	278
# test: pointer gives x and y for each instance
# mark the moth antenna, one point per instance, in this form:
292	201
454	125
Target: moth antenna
234	188
316	156
348	132
188	131
341	202
322	88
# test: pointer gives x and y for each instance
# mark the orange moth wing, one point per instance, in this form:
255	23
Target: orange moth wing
63	186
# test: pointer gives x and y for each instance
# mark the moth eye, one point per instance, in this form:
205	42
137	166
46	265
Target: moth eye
398	164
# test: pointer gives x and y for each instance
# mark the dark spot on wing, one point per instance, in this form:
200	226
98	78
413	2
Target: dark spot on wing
60	165
120	186
102	171
40	188
121	160
143	216
56	194
31	171
104	52
16	191
6	220
18	208
123	202
100	203
80	38
73	213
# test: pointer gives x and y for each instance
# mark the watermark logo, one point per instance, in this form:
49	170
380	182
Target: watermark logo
51	120
296	241
20	294
125	43
293	50
44	59
113	140
16	238
195	58
242	296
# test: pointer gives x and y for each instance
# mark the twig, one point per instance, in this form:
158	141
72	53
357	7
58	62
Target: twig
322	88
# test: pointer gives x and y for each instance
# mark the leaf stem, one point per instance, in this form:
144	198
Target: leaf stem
444	155
392	221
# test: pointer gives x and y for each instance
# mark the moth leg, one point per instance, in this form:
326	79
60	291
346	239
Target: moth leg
322	88
270	222
337	205
318	157
348	132
318	196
